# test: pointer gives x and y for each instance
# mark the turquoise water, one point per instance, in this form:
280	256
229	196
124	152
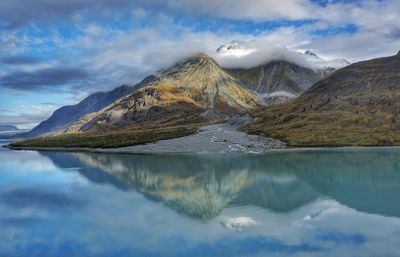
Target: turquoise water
310	203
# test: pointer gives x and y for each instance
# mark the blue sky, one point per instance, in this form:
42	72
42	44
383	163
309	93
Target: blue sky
54	53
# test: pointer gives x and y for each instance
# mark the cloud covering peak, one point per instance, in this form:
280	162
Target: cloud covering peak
252	54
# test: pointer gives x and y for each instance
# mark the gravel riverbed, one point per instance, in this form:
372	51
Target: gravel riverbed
220	138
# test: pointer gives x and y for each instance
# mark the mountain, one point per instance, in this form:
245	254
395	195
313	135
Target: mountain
322	63
322	66
230	46
356	106
277	81
312	54
307	59
286	76
65	116
235	49
196	90
8	128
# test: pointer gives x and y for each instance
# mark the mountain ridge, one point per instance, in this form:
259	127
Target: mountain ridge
65	116
197	90
356	106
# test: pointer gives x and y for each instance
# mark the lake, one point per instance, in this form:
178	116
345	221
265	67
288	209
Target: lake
339	202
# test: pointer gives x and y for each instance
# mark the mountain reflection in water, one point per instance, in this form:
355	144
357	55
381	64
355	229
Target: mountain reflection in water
201	186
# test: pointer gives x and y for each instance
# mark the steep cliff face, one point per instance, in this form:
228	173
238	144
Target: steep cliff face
192	91
356	105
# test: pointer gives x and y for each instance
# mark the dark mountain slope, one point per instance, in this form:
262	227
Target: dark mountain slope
356	106
62	118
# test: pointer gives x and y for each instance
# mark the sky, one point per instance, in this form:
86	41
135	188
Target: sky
55	53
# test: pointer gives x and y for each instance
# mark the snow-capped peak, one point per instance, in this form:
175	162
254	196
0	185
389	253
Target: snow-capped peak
230	46
309	52
321	63
252	54
234	49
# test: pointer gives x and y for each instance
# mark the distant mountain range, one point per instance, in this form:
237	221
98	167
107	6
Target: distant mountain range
201	89
356	105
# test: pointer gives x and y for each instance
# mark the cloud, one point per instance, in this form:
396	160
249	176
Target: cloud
368	14
23	120
261	10
20	60
26	116
14	14
394	33
44	78
113	56
45	198
261	53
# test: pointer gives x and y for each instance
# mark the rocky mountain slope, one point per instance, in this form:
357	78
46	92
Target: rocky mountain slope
356	105
197	90
65	116
277	81
285	74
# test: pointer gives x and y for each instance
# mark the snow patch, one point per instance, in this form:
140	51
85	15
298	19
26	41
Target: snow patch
318	62
279	94
238	223
233	49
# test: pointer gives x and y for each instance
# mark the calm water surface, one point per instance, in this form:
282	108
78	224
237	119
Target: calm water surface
311	203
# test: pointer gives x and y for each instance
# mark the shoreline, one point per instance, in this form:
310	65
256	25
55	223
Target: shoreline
117	151
211	139
217	138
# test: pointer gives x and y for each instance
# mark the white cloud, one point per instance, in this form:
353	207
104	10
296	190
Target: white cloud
263	53
250	9
116	56
139	13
